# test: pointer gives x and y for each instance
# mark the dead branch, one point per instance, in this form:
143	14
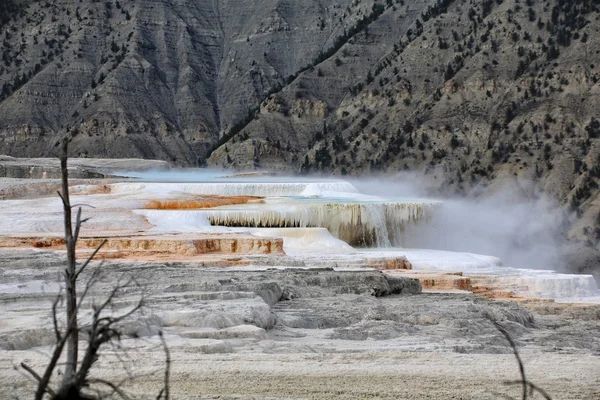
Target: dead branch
37	377
116	389
78	223
44	382
166	388
89	259
102	330
532	388
82	205
527	386
70	279
517	356
62	198
91	281
111	296
54	318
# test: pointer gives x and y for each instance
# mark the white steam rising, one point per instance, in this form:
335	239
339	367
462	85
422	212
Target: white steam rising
514	223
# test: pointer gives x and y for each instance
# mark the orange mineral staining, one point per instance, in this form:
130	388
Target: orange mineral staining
202	202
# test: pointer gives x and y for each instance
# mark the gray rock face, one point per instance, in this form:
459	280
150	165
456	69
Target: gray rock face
456	323
153	80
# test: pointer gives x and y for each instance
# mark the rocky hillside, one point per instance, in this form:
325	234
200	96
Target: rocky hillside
470	92
151	79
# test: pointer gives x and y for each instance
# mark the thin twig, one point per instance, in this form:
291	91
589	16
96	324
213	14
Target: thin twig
89	259
86	290
37	377
116	389
532	387
517	356
117	348
82	205
54	319
62	198
44	384
77	224
102	331
32	372
167	365
114	320
111	296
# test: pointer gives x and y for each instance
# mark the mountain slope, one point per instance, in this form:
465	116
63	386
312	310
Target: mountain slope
150	79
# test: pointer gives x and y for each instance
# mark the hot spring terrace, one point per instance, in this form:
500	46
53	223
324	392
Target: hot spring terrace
263	222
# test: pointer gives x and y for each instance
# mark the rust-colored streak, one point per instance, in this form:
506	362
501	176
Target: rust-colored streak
199	203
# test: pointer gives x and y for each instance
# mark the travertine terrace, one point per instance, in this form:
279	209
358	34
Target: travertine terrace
298	288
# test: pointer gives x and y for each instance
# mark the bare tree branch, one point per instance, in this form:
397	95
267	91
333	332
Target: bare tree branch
88	286
77	224
118	349
62	198
523	382
101	331
89	259
111	296
532	387
37	377
54	319
116	389
166	388
70	279
82	205
44	384
103	327
517	356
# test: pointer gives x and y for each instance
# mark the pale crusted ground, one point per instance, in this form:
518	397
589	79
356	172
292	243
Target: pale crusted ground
365	375
316	334
389	375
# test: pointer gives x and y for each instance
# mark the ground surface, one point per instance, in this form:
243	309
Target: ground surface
306	334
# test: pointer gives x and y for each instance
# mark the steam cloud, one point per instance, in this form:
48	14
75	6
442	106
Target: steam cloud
515	223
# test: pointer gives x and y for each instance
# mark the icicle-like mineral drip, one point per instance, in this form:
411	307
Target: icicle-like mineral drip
359	224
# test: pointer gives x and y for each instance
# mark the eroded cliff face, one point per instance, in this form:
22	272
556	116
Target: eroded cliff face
150	79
